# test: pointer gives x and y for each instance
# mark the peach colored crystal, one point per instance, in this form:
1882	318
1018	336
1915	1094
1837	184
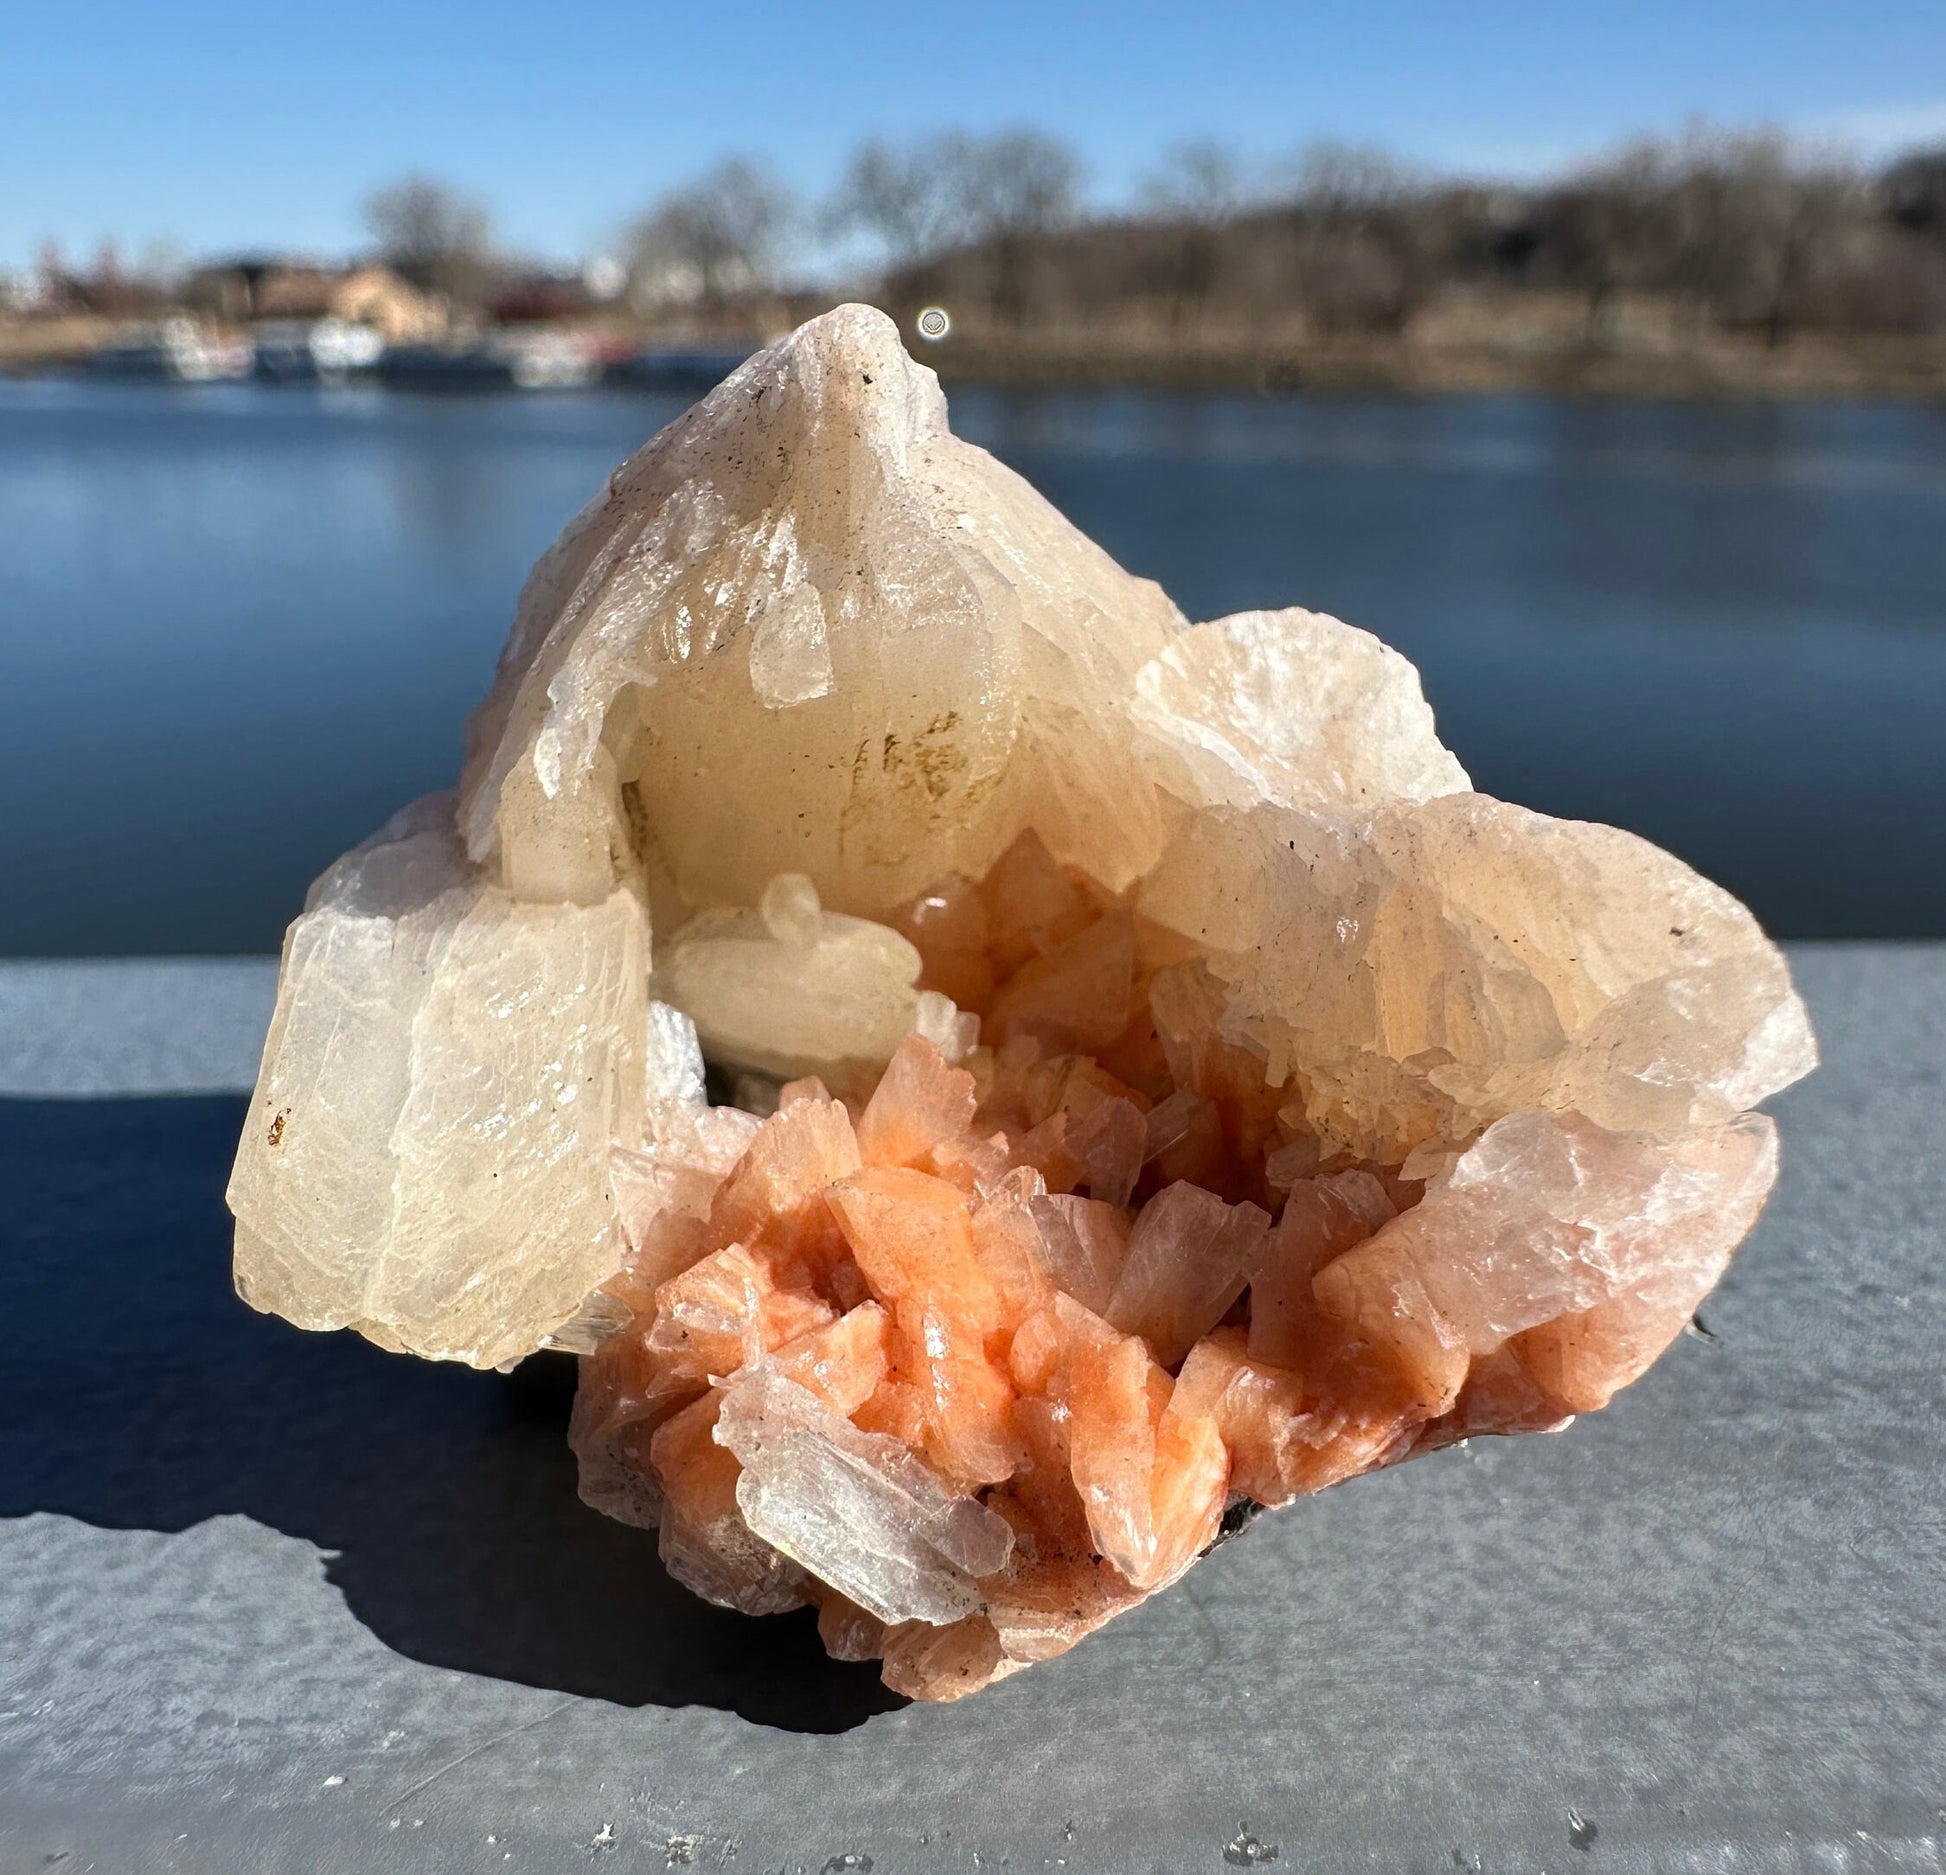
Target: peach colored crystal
953	1319
1164	1087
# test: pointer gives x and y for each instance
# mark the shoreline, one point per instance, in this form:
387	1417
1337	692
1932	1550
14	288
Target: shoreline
1806	372
1807	369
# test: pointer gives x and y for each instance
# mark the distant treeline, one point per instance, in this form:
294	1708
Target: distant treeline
1708	233
1745	232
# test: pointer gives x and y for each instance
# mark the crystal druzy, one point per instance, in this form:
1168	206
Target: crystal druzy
1161	1085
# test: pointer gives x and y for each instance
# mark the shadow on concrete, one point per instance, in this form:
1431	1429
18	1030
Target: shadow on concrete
137	1392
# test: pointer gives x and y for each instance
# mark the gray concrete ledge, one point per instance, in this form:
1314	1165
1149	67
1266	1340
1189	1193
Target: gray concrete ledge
88	1027
271	1601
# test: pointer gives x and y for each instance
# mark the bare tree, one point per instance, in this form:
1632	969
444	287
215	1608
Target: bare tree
1806	206
1606	229
433	235
1744	230
1736	224
1349	183
1907	289
1361	258
1020	182
908	200
715	239
1195	192
1200	181
1013	190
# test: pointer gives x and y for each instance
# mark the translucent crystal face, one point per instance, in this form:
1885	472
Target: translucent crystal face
1185	1089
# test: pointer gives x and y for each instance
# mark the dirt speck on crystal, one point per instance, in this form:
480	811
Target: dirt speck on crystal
1244	1850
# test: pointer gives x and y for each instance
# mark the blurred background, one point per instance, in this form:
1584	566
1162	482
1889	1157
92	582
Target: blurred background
1594	356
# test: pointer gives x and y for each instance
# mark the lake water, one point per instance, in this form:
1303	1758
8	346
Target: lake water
239	625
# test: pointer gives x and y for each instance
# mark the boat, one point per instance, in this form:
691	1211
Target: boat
525	362
444	368
312	351
551	361
175	351
693	369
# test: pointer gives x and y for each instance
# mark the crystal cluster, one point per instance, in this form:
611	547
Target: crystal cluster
1163	1087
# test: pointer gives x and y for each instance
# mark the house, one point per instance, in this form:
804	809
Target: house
254	287
376	297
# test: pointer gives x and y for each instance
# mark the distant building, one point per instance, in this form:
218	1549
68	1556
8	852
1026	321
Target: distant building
241	287
605	277
660	283
378	298
250	288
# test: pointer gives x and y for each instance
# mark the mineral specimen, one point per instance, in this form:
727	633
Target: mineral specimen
1170	1088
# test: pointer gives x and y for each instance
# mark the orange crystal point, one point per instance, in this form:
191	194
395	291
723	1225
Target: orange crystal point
912	1237
1188	1260
1033	906
845	1362
920	1105
1151	1477
1322	1219
706	1542
776	1190
948	927
1254	1407
1077	996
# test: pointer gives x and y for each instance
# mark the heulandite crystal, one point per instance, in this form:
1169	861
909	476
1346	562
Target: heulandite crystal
1182	1092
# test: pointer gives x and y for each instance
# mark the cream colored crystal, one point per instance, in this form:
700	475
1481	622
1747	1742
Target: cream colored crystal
789	988
808	655
1292	707
426	1157
1431	966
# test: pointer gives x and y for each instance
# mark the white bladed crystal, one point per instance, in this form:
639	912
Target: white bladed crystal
426	1157
856	1508
1294	707
673	1064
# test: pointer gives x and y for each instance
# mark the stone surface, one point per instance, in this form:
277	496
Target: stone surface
1193	1092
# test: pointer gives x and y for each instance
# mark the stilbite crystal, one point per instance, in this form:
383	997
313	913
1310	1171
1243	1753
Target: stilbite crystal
1186	1089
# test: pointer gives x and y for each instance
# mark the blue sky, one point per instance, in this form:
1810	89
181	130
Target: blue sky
218	126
